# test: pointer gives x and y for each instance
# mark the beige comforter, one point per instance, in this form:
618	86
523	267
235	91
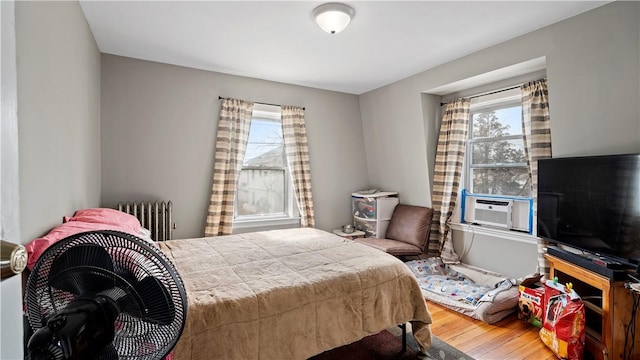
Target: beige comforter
290	294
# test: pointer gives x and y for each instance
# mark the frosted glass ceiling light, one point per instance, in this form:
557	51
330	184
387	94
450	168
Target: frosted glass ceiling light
333	17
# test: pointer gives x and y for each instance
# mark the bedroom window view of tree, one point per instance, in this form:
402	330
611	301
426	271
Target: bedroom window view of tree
496	158
263	185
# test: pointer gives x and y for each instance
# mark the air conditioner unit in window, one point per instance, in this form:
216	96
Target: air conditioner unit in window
510	213
492	212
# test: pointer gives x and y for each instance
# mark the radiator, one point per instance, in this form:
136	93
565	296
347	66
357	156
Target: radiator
156	216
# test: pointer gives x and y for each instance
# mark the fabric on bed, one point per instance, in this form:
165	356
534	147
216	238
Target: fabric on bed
290	294
478	293
81	221
106	216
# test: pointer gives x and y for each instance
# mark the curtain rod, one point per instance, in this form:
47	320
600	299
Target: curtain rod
263	103
495	92
485	94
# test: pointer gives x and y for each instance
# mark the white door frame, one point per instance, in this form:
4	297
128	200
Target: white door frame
11	326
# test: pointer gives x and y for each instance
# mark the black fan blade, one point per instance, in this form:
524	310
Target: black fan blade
157	305
82	270
108	353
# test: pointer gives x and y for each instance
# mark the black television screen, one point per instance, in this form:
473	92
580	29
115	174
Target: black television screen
592	203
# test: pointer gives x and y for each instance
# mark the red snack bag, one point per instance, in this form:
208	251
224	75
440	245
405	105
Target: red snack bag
563	327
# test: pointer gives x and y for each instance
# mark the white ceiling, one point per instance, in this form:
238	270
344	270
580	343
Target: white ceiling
279	41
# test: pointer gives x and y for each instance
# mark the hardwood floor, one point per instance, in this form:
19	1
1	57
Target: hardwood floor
510	338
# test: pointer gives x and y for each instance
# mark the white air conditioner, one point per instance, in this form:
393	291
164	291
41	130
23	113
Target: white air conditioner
498	211
492	212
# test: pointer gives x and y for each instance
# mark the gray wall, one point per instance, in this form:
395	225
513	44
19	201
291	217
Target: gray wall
593	71
58	75
10	289
58	101
159	124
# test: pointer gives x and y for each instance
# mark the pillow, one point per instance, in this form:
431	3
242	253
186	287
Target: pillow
107	217
82	221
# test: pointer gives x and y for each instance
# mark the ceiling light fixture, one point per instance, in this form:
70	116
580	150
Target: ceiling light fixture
333	17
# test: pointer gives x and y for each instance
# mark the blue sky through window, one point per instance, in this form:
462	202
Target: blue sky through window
511	116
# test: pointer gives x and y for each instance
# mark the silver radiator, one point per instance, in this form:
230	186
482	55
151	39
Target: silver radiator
156	216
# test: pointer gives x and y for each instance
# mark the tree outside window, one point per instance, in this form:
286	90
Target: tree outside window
496	159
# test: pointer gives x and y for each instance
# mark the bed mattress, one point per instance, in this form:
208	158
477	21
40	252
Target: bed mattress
290	294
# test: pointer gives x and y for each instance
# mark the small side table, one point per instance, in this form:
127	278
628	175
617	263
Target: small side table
354	235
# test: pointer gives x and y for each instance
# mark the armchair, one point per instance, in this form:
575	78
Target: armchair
407	233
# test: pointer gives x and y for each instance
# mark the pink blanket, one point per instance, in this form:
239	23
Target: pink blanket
81	221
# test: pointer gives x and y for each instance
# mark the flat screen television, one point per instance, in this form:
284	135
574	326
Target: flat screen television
592	204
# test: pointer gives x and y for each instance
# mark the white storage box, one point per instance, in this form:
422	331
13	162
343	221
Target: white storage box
372	212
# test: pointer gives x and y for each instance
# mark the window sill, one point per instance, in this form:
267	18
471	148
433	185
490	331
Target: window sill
499	233
265	223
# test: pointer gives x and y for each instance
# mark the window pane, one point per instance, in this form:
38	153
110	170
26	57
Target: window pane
501	181
265	145
261	192
269	157
498	152
501	122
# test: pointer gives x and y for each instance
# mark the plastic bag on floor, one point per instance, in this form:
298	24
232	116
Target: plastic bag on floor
563	327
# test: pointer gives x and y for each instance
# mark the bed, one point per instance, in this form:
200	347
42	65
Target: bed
273	295
290	294
478	293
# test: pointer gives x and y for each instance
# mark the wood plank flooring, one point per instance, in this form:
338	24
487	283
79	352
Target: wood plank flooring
508	339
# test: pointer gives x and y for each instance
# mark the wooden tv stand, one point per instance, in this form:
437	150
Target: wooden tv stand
608	306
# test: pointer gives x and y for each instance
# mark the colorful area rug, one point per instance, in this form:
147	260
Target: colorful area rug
387	346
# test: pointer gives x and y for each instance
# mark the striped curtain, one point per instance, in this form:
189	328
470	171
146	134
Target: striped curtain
446	180
231	144
297	151
537	145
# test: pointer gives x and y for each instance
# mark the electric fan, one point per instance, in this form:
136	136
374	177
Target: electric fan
104	295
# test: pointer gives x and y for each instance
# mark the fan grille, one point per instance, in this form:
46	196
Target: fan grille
143	330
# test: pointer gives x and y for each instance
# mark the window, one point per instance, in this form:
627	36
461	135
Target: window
264	186
496	162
